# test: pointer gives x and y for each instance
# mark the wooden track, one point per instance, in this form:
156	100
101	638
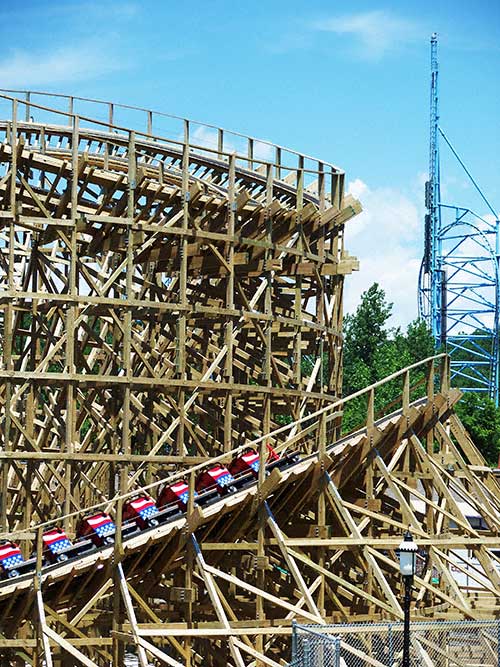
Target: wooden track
165	304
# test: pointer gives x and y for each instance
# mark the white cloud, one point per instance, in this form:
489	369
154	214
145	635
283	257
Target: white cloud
264	151
67	64
387	238
375	33
490	219
207	137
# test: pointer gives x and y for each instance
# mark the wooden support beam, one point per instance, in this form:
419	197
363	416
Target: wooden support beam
292	565
129	607
212	591
45	630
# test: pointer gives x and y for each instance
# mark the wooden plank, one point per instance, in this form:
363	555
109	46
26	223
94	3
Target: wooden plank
292	565
157	653
256	591
260	657
45	630
131	615
205	572
67	646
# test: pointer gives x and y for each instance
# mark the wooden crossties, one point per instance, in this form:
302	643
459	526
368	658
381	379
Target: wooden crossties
165	305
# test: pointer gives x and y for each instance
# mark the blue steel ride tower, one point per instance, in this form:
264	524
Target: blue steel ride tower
433	279
458	282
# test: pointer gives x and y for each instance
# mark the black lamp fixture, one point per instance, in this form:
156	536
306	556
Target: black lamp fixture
407	566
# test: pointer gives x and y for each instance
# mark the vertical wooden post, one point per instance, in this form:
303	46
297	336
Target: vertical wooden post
127	316
250	152
181	323
190	502
107	144
9	317
39	648
28	107
43	640
231	216
277	171
430	380
298	279
429	438
445	374
189	571
118	649
28	516
220	143
406	393
34	391
370	414
70	325
321	317
267	405
369	496
268	296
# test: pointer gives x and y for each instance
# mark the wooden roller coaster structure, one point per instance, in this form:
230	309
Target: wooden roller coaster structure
167	303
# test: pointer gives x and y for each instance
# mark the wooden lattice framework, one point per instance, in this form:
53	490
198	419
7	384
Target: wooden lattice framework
158	298
162	302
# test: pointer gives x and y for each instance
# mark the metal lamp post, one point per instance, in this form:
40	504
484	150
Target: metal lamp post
407	565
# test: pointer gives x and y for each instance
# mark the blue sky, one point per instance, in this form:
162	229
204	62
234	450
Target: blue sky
346	82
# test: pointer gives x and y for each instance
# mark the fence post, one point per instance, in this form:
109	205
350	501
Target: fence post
498	644
307	652
294	641
337	651
390	645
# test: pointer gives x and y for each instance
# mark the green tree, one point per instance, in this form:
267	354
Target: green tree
366	330
373	351
481	418
419	341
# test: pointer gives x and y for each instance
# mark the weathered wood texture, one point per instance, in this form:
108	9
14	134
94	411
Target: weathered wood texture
164	304
156	299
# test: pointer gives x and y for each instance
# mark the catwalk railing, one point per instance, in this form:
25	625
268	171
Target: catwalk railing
215	142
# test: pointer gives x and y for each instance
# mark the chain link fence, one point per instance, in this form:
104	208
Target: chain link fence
432	644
